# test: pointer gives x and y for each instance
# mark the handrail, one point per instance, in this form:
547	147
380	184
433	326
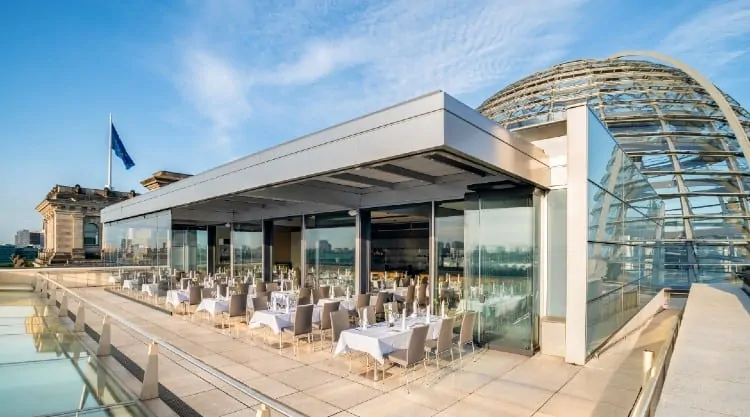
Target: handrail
645	402
598	297
256	395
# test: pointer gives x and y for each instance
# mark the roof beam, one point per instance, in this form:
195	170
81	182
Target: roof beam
457	164
362	180
302	193
406	173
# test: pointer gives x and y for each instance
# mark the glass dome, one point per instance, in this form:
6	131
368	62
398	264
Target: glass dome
674	132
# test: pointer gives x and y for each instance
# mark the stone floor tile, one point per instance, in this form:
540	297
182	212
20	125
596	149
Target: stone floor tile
343	393
309	405
213	403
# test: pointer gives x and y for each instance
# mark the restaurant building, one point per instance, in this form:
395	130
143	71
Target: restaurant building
529	228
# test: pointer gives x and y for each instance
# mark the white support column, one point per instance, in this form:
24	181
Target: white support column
80	324
104	348
577	235
150	387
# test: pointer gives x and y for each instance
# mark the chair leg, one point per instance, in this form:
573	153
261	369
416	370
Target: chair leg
473	355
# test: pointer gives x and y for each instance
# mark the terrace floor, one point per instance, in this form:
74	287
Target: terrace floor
494	383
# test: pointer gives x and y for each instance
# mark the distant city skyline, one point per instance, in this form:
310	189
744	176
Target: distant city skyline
191	85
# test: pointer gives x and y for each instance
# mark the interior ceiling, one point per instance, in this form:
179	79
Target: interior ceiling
423	169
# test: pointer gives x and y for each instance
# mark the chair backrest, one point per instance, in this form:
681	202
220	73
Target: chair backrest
339	323
338	291
380	302
223	290
245	288
237	305
185	283
303	319
467	328
261	287
207	292
272	286
370	312
195	295
445	337
410	294
363	300
303	300
304	292
417	340
324	292
422	294
325	317
260	303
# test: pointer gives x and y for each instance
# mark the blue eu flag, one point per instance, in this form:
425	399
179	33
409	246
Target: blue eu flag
119	149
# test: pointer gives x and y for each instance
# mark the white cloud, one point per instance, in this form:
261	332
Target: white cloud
346	57
713	37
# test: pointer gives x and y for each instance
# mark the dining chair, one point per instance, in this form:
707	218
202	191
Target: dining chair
325	320
303	300
301	327
466	335
194	298
338	292
261	287
304	292
444	341
237	308
272	286
369	312
223	290
380	306
412	355
324	292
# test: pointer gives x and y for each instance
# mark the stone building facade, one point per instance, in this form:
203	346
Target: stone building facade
72	229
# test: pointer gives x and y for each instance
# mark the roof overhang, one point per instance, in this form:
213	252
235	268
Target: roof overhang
428	147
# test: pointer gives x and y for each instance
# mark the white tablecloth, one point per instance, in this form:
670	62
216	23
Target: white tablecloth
129	284
500	303
213	306
177	297
150	289
277	320
344	304
114	279
379	340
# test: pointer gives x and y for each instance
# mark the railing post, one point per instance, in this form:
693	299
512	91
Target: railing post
80	324
104	348
52	301
63	312
648	364
263	411
150	387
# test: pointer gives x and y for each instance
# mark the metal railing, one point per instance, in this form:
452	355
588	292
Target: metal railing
654	376
150	384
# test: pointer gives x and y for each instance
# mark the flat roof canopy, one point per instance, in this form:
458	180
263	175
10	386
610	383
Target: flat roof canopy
427	148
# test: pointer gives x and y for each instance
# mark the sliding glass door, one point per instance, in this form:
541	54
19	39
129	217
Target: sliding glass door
500	234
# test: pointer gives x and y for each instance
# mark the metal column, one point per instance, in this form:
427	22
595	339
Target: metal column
432	260
267	250
362	252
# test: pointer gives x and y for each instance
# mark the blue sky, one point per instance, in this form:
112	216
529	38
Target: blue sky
193	84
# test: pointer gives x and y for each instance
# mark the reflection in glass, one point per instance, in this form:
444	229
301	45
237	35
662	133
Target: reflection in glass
189	248
500	270
449	238
624	233
329	251
143	241
247	240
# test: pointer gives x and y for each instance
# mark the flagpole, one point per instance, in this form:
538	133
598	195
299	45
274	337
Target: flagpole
109	155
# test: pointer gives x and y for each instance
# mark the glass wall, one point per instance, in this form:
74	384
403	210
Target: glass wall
329	250
142	241
557	281
501	273
247	240
624	231
189	248
449	238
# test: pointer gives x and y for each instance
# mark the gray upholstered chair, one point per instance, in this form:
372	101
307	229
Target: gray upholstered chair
466	335
237	309
325	320
301	327
412	355
444	342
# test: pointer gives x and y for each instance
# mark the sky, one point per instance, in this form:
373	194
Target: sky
194	84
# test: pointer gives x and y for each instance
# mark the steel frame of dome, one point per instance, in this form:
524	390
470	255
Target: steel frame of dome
688	138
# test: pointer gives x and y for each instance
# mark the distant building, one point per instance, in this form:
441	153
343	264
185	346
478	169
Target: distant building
161	179
8	251
27	238
72	229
